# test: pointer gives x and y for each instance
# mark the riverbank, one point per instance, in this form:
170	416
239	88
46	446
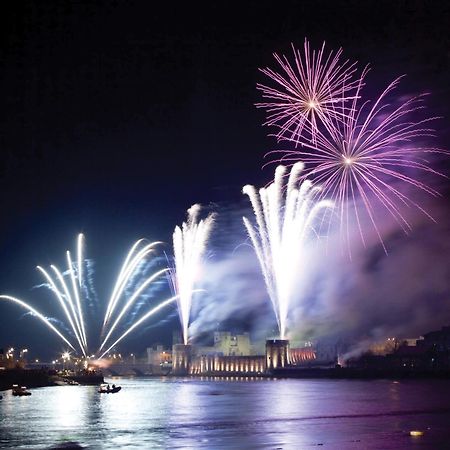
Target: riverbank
33	378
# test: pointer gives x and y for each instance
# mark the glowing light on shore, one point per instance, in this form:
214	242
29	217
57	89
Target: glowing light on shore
305	91
283	225
189	245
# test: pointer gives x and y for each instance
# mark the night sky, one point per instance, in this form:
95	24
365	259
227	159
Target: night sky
117	116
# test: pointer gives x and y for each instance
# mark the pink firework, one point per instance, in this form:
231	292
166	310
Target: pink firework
305	92
367	154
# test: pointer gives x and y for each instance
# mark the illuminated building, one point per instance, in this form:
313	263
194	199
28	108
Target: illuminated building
181	359
159	359
229	344
277	353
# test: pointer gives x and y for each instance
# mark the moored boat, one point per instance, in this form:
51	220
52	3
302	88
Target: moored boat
66	382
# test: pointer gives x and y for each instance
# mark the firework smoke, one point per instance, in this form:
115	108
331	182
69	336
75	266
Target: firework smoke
374	296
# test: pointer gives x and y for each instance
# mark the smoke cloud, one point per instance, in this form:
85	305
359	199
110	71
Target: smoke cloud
357	300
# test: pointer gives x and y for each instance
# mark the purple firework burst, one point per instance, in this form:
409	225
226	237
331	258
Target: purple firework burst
364	154
304	93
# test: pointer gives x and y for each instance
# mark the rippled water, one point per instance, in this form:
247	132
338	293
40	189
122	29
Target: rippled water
235	413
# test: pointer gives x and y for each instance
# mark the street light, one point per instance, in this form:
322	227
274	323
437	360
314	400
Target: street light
65	358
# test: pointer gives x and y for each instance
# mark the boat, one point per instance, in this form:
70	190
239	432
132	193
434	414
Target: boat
66	382
106	389
20	391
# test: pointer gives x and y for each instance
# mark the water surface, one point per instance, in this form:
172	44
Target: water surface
234	413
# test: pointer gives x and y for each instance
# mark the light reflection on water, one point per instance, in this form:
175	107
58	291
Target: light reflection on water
202	413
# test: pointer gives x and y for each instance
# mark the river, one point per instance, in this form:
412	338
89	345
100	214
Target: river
237	413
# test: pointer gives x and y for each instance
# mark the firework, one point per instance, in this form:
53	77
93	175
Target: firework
189	244
135	256
131	301
305	91
38	315
150	313
69	294
365	156
283	225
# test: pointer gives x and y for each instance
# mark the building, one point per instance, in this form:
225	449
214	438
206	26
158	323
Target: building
227	365
7	359
277	355
436	340
2	359
229	344
159	359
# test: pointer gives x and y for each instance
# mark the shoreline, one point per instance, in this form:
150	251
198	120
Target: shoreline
33	378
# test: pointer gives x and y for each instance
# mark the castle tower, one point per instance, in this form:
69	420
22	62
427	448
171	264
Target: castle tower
181	359
277	354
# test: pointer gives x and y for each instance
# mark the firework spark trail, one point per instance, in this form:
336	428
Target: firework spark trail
119	279
80	259
305	92
361	155
189	245
143	299
283	223
133	259
60	298
69	300
150	313
131	301
39	315
77	297
69	295
65	297
90	292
